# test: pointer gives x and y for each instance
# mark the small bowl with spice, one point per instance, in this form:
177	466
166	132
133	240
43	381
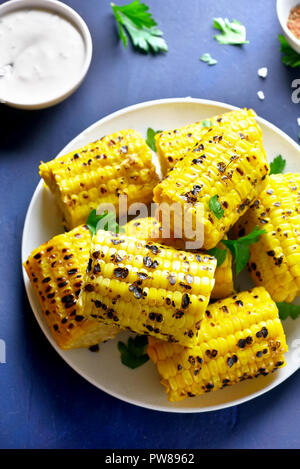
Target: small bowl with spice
288	12
45	52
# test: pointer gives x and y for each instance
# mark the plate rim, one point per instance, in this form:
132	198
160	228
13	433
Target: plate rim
31	294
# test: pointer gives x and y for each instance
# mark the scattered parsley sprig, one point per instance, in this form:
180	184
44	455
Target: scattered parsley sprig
207	123
288	310
232	32
289	56
151	138
106	221
208	59
132	354
219	254
240	249
140	26
216	207
277	166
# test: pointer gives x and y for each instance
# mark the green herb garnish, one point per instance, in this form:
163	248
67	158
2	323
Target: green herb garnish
288	310
277	166
215	206
105	221
208	59
232	33
289	57
151	138
207	123
140	26
240	248
132	354
219	254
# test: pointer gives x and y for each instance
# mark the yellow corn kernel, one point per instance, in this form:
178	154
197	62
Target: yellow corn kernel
147	287
150	228
172	145
254	346
118	164
275	259
226	166
56	271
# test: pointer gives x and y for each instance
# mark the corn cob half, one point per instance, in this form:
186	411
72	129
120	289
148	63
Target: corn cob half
147	288
224	166
56	271
118	164
172	145
275	259
240	338
149	228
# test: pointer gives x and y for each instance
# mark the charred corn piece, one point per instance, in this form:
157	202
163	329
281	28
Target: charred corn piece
150	228
118	164
56	271
226	166
275	259
172	145
240	338
147	288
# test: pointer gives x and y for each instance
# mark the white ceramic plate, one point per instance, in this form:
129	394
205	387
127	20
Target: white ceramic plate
104	370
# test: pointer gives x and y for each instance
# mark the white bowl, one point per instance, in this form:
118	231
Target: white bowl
73	17
283	10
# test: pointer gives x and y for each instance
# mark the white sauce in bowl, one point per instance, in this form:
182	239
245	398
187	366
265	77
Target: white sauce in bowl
41	55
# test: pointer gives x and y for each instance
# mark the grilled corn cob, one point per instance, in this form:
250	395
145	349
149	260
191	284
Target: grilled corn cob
147	288
56	271
275	258
100	172
150	228
240	337
172	145
226	166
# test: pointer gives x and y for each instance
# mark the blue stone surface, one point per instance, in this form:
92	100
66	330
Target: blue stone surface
43	402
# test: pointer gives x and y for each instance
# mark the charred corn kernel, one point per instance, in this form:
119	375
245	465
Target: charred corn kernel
150	228
118	164
56	271
275	259
172	145
226	166
147	288
240	338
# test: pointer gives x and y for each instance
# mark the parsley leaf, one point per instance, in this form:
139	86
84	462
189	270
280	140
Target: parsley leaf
207	123
208	59
277	166
288	309
140	26
132	354
219	254
150	138
289	57
232	33
105	221
215	206
240	247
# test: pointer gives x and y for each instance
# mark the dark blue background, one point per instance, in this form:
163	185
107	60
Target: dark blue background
43	402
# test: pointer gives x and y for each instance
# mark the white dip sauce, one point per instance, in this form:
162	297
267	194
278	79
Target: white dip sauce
41	56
